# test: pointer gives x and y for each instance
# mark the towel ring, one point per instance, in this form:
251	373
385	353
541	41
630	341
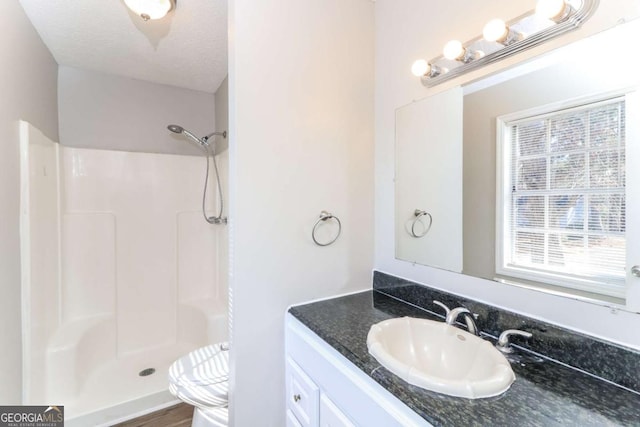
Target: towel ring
419	214
324	216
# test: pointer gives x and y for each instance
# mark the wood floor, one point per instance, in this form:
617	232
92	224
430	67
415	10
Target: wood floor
175	416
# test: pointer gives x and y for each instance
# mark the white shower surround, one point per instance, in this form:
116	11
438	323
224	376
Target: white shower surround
136	277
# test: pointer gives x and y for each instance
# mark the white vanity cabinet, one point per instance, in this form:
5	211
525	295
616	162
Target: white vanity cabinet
325	389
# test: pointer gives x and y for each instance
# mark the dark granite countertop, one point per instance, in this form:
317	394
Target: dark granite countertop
545	393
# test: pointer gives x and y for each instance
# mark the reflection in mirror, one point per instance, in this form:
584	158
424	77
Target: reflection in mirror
562	236
429	181
561	195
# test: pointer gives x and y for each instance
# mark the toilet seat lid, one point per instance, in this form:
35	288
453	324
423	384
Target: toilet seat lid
204	366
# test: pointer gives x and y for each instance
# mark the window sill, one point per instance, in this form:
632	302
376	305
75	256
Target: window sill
589	297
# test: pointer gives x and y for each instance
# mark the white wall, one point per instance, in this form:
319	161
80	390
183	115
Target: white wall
134	243
410	29
28	87
104	111
301	122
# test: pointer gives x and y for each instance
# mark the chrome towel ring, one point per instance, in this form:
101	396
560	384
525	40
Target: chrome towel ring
419	214
324	216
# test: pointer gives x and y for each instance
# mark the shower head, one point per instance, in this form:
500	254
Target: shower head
175	128
202	143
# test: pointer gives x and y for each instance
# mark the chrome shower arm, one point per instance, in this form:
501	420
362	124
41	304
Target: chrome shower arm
222	134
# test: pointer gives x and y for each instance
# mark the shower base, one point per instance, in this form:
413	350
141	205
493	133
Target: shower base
115	391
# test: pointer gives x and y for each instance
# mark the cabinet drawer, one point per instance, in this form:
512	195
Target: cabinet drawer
303	395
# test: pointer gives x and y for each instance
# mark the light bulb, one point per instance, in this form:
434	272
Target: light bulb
495	30
420	68
551	9
575	4
150	9
453	50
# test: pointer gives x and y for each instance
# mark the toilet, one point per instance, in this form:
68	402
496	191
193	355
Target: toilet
201	379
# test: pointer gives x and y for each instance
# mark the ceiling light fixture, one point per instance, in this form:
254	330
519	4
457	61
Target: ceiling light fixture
151	9
501	39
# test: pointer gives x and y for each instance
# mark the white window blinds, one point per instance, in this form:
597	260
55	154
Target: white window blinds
565	213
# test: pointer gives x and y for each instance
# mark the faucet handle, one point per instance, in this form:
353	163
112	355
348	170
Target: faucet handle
439	304
503	343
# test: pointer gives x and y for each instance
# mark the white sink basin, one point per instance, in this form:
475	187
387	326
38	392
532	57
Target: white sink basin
440	357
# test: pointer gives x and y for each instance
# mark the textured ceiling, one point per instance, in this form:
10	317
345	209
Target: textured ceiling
187	48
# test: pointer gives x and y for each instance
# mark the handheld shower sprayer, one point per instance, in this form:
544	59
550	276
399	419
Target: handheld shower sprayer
191	137
204	144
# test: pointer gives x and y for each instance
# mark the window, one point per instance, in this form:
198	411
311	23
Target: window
561	217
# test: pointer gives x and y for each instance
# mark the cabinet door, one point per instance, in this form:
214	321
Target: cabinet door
292	421
302	395
331	415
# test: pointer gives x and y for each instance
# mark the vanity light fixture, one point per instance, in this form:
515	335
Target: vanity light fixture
423	68
420	68
501	39
555	10
497	30
151	9
454	50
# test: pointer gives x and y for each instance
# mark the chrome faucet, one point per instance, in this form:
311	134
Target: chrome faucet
453	315
503	343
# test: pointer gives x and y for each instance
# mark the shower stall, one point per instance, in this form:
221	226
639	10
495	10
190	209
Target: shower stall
121	275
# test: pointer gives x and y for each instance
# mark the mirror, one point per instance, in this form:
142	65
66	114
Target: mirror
587	68
429	181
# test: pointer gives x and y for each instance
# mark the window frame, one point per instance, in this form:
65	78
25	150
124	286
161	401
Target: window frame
504	124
